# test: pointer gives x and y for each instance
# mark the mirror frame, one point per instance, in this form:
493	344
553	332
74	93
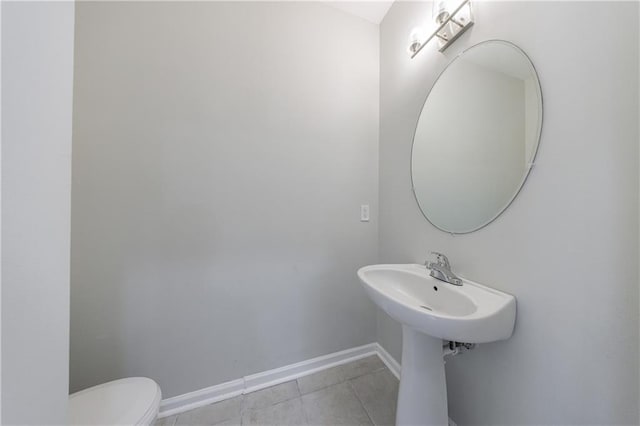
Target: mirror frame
533	157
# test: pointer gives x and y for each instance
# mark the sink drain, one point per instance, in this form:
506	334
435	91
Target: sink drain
426	307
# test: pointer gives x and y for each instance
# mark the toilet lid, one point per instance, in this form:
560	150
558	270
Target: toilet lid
131	401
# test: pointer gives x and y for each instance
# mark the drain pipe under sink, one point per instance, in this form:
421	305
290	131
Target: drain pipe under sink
450	348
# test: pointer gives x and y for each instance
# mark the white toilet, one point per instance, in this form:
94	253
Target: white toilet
131	401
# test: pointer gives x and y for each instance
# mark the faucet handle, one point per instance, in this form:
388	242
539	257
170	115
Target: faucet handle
441	259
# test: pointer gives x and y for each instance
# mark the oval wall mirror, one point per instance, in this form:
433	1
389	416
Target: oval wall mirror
476	137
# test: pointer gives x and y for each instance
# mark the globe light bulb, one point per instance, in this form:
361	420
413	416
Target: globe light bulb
440	11
416	38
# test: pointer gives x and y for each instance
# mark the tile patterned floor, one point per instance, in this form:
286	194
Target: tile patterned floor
363	392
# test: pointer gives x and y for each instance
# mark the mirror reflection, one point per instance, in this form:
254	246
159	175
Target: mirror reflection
476	137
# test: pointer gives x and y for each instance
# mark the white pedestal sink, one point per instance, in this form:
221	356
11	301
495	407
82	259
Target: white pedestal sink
432	311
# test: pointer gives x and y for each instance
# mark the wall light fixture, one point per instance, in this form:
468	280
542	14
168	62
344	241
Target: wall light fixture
451	23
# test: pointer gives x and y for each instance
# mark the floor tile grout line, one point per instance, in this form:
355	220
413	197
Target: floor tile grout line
364	408
280	403
274	404
368	372
345	379
298	386
300	395
304	410
246	410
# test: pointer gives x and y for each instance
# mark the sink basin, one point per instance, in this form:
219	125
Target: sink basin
432	311
471	313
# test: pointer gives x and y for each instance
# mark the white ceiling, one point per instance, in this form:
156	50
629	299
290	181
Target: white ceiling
372	11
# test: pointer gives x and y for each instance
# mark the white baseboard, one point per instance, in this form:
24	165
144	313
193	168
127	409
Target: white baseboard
388	360
276	376
200	398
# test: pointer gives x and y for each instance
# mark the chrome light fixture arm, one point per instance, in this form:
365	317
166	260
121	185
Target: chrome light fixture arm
451	26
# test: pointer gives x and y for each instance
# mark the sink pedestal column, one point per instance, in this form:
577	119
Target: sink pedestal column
422	399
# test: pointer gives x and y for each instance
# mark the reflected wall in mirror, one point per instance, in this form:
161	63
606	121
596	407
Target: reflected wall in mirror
476	137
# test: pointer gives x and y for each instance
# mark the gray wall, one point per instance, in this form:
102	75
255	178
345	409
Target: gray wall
37	79
221	154
567	248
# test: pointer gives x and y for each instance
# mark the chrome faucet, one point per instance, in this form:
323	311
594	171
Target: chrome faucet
441	269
